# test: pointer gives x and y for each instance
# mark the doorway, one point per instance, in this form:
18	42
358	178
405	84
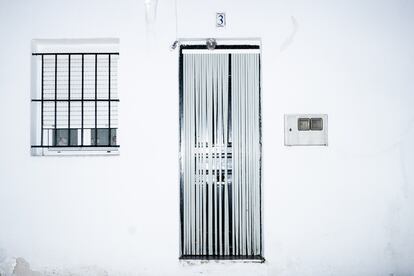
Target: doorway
220	152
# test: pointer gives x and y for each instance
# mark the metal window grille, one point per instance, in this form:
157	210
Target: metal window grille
220	152
76	107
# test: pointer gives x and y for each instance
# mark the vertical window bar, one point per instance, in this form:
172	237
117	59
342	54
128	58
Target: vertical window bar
41	109
82	91
55	134
69	101
96	98
109	100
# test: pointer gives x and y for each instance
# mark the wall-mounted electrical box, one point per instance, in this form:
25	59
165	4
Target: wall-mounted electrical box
306	130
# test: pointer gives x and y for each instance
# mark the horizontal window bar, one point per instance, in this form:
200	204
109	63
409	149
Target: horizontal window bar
75	100
84	146
59	54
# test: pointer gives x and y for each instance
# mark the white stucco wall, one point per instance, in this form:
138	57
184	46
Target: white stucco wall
346	209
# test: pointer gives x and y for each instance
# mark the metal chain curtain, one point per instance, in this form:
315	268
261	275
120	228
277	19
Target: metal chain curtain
220	155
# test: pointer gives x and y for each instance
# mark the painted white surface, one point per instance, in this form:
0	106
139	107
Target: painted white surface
353	60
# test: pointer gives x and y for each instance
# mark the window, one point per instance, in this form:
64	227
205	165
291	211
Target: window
316	124
310	124
74	97
303	124
220	152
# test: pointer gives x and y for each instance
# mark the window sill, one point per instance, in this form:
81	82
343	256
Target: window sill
74	151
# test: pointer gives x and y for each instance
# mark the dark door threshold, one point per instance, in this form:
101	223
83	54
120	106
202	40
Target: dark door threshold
219	258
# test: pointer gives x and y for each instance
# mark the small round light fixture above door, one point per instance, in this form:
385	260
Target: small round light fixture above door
211	44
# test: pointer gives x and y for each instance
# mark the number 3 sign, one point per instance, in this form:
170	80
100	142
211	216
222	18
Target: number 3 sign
220	19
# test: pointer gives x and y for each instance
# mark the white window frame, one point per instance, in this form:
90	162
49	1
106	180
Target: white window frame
104	52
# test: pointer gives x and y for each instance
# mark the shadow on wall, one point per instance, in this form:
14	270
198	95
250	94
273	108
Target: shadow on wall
150	15
289	40
150	11
401	210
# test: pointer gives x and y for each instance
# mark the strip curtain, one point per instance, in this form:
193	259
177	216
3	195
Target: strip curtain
220	155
